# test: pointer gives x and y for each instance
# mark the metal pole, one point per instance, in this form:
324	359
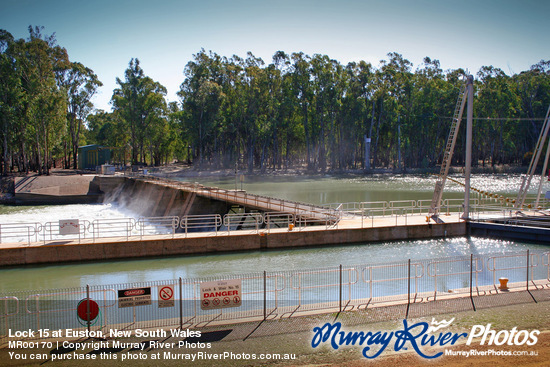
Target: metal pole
88	313
408	291
527	281
471	280
468	163
340	287
181	304
542	175
265	296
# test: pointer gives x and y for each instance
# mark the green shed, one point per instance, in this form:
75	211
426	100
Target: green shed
93	155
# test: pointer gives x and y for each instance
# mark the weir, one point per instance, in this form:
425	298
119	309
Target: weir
150	196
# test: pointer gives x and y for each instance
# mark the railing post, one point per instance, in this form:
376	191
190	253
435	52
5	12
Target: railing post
527	280
408	291
181	303
341	285
88	313
471	280
362	213
265	295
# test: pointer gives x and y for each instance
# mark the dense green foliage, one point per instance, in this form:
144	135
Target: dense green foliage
44	101
297	111
316	112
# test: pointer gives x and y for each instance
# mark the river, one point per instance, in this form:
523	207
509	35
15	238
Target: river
316	190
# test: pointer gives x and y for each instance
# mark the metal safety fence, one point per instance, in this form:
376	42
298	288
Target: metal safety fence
204	301
359	214
127	228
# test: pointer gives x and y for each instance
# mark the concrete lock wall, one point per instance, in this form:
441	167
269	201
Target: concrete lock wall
221	243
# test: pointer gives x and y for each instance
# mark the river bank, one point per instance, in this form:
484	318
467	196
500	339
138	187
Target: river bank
186	170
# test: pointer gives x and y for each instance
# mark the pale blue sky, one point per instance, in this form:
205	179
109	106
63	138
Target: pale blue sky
105	34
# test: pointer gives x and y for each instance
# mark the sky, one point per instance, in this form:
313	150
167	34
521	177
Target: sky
105	35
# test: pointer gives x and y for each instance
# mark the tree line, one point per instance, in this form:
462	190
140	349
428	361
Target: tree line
297	111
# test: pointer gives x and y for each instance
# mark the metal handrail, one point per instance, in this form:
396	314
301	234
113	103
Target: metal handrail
303	215
112	227
533	262
277	218
200	222
52	229
5	299
240	219
17	230
171	223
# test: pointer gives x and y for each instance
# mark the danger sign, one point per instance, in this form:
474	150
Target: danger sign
221	294
134	297
166	295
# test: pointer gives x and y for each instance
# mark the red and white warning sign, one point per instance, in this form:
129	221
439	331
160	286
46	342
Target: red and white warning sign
69	226
134	297
221	294
166	295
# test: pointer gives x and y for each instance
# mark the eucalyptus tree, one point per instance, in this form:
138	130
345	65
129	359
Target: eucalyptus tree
425	132
287	136
255	94
138	101
11	94
232	111
158	130
533	88
202	98
301	86
394	87
498	101
80	84
358	107
39	59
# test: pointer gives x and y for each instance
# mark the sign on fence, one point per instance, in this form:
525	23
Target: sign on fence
221	294
134	297
69	226
166	296
87	309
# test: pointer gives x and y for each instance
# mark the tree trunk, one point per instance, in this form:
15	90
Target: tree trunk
5	153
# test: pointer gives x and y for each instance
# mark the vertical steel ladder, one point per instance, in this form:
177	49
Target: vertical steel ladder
449	149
